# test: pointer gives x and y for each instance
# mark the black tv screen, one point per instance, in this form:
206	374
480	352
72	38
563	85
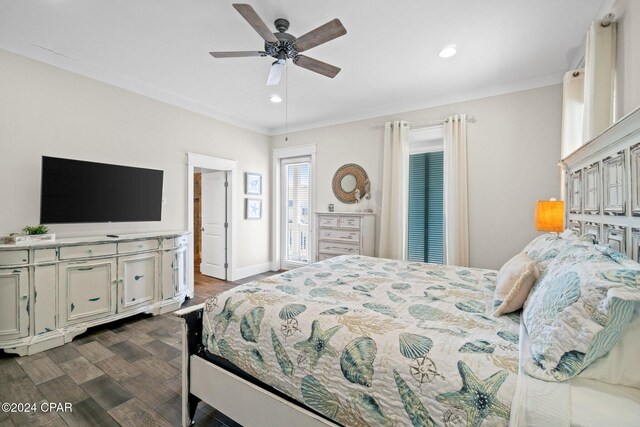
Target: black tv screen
75	191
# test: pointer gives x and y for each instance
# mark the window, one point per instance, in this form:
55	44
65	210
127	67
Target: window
426	196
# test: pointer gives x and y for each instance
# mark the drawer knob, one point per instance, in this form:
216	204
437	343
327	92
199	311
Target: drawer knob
90	251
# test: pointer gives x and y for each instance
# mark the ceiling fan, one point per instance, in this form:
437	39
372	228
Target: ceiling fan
283	46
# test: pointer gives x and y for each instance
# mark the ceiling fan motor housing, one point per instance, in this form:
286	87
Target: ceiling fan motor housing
286	42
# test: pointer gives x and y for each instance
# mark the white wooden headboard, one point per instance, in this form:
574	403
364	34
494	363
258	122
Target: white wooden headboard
602	187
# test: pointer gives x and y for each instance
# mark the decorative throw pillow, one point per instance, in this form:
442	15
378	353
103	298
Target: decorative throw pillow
513	283
543	249
620	365
579	309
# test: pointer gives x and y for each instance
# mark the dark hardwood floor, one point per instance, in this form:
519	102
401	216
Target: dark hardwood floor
125	373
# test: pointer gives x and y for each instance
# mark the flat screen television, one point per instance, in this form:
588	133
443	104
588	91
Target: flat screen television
75	191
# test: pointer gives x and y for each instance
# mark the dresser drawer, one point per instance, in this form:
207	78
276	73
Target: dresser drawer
328	221
19	257
349	222
44	255
339	248
86	251
345	235
137	246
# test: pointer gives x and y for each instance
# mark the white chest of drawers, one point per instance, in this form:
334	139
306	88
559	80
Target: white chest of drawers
345	233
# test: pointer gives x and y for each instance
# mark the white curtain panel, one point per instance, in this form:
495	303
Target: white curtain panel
395	192
456	204
600	78
572	111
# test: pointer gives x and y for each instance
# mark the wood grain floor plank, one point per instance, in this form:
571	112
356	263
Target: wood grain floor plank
37	418
108	338
42	370
118	368
135	336
20	390
162	351
62	389
81	370
135	413
129	351
26	359
174	384
94	351
88	413
11	371
106	392
171	410
63	353
148	389
158	369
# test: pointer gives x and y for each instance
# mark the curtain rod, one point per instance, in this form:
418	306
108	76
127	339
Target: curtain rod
423	125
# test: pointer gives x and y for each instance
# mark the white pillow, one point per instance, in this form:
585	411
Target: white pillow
513	283
620	365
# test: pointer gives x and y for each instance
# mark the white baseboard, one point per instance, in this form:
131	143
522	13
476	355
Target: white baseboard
252	270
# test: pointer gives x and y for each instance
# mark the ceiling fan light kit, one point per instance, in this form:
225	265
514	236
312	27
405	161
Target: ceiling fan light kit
282	45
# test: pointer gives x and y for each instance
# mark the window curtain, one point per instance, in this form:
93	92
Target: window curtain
599	85
572	111
456	205
395	192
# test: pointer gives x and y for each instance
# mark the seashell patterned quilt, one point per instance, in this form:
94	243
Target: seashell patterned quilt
374	342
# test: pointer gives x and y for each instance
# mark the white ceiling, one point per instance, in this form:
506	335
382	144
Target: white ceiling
389	57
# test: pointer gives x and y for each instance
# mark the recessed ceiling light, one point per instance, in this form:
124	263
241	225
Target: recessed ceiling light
448	51
275	99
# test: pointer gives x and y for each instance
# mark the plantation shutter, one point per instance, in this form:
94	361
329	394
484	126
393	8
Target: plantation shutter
426	207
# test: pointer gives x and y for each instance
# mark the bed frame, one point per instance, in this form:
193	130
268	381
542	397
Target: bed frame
609	161
235	397
602	187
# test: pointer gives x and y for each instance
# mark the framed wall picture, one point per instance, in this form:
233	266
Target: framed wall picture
253	209
253	183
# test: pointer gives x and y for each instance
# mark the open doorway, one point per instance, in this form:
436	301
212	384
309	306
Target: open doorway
210	213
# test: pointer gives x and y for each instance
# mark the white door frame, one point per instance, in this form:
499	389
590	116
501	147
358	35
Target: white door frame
214	163
278	155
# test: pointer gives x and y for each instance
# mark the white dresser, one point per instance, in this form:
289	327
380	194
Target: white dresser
51	291
345	233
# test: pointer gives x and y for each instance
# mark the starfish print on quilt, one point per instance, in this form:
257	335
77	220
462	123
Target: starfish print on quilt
476	397
317	344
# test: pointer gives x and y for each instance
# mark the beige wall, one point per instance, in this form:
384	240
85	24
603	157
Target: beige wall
48	111
513	150
628	56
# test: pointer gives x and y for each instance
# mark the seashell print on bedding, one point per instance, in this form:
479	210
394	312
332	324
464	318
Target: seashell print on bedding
369	342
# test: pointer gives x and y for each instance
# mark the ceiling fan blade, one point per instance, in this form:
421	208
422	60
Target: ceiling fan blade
275	73
255	21
320	35
237	54
316	66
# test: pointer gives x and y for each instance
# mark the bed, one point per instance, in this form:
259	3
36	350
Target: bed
361	341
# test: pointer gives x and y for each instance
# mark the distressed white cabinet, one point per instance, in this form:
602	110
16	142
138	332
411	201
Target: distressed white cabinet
87	290
344	233
44	297
137	280
14	297
174	274
52	291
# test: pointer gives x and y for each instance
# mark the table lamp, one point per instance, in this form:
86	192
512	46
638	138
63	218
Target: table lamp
550	215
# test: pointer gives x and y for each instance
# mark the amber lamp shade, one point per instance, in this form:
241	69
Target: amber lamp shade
550	215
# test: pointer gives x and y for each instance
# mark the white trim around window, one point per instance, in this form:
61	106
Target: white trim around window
277	156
